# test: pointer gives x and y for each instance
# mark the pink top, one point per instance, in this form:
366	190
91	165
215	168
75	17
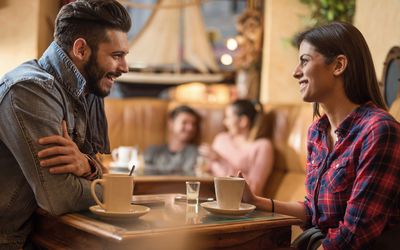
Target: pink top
254	159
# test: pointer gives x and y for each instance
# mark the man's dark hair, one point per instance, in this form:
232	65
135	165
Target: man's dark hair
337	38
184	109
89	19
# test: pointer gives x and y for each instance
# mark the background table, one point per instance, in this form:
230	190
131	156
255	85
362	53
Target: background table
172	184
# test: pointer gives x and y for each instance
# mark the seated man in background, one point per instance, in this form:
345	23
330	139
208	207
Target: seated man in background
178	156
48	136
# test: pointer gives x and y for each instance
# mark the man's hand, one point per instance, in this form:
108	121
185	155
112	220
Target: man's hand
64	157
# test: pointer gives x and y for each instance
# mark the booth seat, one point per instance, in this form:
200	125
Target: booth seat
143	121
288	133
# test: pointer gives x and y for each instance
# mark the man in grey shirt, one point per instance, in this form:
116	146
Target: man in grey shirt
178	156
48	138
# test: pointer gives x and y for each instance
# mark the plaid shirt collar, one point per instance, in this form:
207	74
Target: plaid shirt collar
347	124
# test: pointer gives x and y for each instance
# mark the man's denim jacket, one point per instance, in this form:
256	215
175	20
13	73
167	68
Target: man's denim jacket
34	100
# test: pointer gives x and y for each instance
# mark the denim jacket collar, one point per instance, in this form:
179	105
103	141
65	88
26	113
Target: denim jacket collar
56	62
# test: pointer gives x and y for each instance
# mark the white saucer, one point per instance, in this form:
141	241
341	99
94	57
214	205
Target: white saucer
135	212
117	164
212	207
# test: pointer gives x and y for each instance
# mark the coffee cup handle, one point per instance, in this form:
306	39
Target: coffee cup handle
114	154
93	188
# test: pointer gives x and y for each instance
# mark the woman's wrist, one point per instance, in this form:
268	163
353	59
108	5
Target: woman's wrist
259	202
215	156
265	204
272	205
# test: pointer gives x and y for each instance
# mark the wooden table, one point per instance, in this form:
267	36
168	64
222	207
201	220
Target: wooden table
171	225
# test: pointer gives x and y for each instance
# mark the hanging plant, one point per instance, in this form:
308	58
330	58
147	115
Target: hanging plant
325	11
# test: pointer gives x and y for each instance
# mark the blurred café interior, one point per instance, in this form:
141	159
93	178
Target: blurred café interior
206	54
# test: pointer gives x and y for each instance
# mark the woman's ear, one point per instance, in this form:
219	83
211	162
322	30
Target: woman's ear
340	65
244	121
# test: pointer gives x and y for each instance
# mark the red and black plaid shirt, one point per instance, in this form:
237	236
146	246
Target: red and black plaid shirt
353	191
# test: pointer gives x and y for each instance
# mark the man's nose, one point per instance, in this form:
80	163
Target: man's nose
189	127
123	66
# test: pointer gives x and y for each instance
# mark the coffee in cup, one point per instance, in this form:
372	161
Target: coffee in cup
117	192
229	191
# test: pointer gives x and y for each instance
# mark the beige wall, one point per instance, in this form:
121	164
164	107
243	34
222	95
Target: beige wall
47	15
282	21
25	29
19	26
379	21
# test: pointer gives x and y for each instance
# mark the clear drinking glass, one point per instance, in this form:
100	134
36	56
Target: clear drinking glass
192	211
192	191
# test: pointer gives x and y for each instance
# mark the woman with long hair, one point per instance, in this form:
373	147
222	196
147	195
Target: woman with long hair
239	149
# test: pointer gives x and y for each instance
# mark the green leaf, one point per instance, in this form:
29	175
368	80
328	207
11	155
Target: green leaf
324	3
330	15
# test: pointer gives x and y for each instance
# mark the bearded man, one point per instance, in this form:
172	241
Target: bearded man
52	118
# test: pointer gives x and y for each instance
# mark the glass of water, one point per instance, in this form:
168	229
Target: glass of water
192	191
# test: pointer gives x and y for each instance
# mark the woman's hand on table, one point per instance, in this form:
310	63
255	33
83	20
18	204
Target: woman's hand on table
249	197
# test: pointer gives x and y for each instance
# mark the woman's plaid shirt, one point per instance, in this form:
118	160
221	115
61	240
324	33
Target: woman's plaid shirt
353	191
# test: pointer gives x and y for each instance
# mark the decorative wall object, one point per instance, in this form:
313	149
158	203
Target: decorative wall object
247	60
390	85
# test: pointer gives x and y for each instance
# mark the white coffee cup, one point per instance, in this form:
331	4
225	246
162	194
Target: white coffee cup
229	191
117	192
125	155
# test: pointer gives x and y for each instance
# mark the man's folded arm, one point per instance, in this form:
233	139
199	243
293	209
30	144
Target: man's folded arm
34	114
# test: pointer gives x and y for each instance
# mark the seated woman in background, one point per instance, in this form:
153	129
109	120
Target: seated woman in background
178	156
237	150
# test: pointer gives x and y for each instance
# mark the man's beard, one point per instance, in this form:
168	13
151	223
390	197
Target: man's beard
94	74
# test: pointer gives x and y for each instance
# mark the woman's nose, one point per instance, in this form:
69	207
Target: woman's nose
297	73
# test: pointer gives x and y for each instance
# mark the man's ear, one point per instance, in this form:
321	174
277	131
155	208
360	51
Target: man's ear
170	123
81	50
340	65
